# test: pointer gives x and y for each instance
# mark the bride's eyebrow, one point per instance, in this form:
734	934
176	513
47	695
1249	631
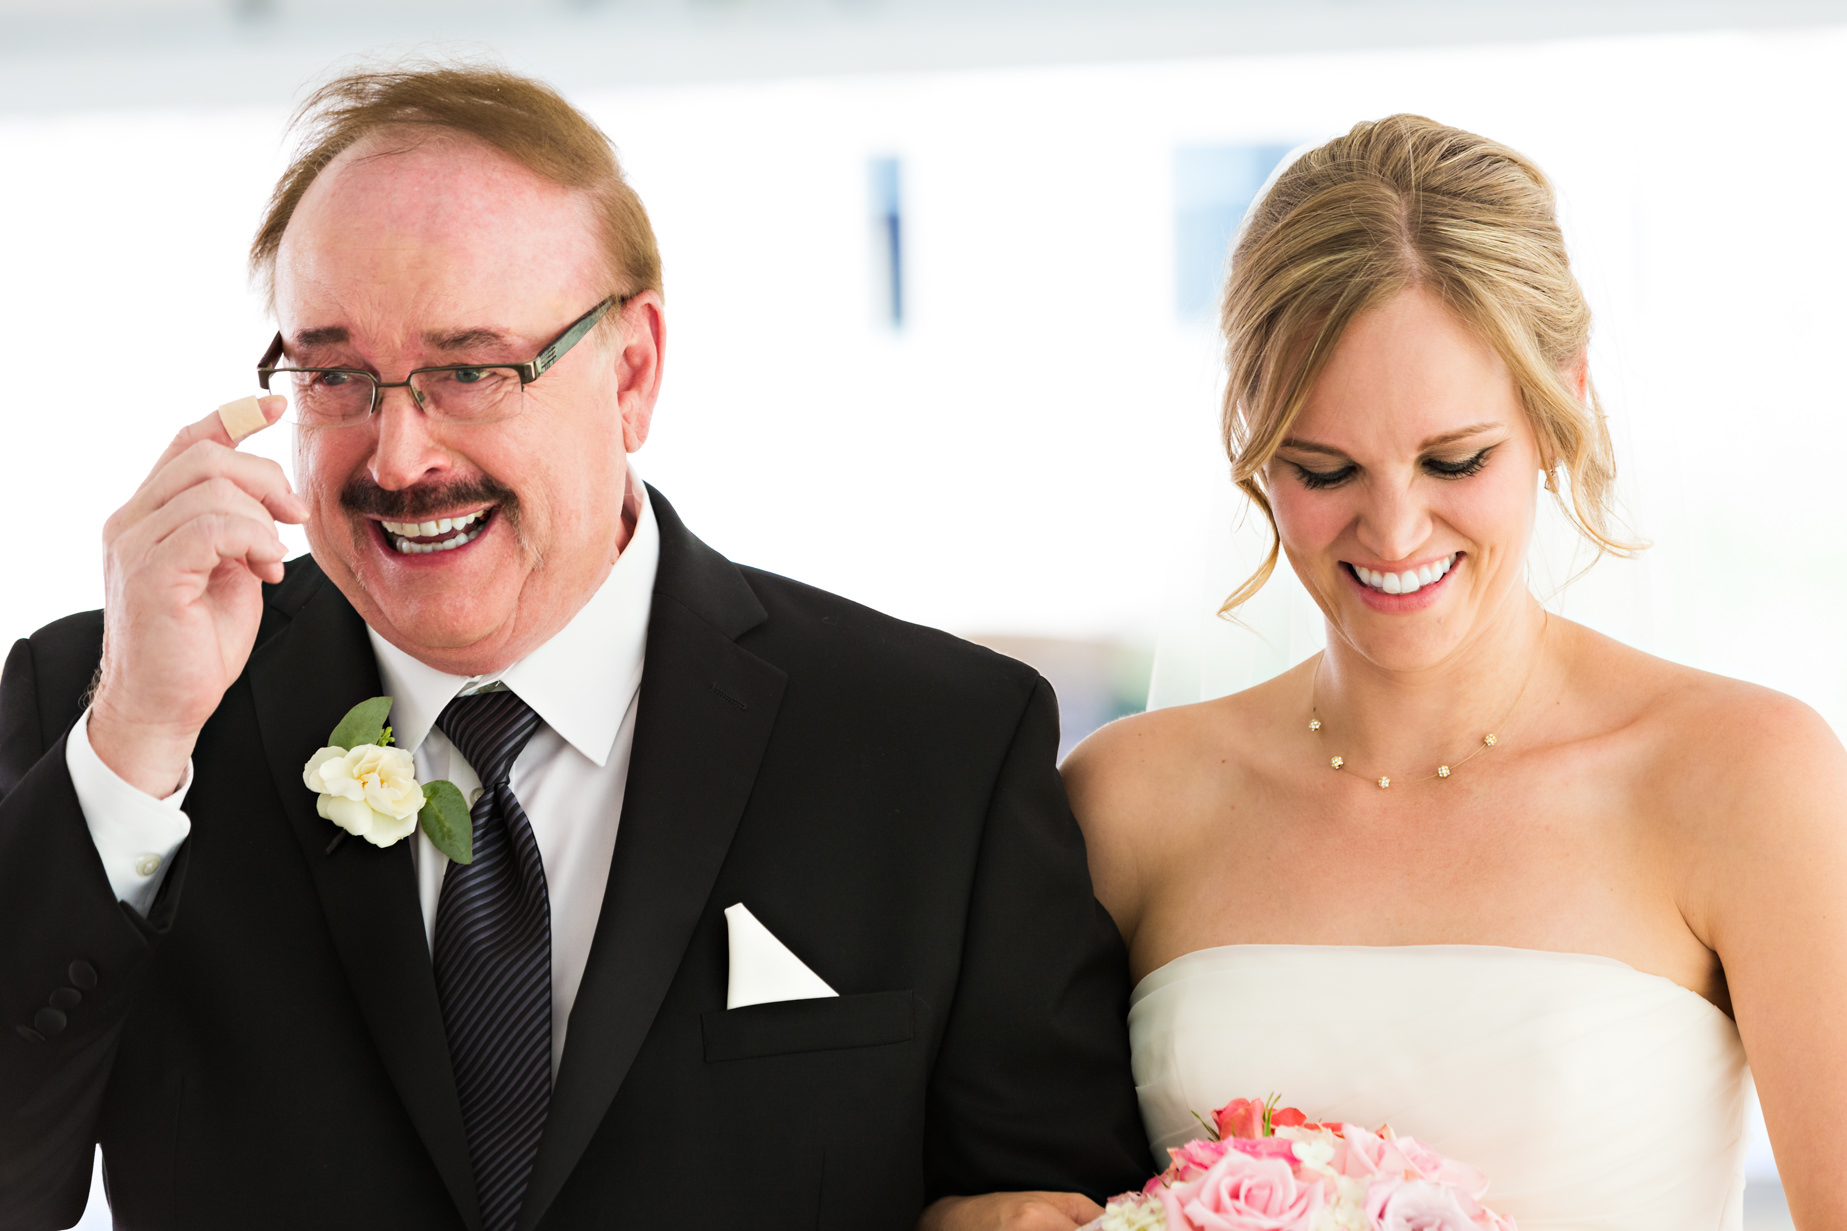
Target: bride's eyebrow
1435	442
1461	433
1309	446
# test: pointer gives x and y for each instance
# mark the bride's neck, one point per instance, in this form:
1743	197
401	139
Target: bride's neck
1397	719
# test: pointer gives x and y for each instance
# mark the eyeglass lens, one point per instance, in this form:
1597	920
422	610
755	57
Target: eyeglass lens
459	395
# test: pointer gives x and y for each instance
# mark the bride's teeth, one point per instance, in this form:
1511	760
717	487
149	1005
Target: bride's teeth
1408	582
1427	574
1392	585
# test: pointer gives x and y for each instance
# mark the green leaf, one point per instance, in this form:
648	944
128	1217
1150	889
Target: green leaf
363	724
445	819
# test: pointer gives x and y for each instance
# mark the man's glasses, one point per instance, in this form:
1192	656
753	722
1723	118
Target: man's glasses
452	393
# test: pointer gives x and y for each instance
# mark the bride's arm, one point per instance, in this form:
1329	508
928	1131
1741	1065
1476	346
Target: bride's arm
1120	781
1763	793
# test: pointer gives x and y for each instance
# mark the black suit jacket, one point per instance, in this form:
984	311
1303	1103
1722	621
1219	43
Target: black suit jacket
266	1048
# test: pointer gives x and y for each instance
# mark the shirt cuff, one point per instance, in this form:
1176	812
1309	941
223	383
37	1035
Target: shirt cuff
135	833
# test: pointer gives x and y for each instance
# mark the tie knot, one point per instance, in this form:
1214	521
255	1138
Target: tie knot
489	729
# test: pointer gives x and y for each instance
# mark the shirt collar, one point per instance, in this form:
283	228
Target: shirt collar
570	680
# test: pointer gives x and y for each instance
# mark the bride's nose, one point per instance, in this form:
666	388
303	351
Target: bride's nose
1393	523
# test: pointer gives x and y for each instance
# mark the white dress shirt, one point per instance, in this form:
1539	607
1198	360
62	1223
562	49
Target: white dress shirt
570	779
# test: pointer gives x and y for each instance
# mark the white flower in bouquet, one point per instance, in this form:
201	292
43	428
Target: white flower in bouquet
1132	1212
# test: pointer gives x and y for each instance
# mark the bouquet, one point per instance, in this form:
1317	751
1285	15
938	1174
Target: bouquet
1267	1168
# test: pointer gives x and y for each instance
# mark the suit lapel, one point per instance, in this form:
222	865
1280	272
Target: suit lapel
705	714
304	678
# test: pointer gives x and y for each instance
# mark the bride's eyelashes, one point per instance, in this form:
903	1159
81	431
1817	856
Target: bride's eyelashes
1460	468
1318	480
1436	467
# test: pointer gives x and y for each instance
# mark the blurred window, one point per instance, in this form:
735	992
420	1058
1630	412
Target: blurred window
887	241
1213	186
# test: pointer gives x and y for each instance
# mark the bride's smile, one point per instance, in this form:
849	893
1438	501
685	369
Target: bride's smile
1408	488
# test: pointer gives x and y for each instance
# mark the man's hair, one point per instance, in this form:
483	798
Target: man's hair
524	119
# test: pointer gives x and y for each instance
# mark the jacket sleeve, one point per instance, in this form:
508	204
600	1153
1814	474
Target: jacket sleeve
71	956
1032	1088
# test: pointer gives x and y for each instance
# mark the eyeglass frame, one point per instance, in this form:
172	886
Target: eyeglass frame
528	372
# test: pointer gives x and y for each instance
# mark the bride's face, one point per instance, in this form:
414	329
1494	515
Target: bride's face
1406	491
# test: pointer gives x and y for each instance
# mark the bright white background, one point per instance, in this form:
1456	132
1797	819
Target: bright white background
1035	452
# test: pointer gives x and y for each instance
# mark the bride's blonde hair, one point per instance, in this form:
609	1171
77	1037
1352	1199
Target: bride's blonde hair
1393	204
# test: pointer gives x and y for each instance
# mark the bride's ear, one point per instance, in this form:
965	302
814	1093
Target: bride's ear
1578	374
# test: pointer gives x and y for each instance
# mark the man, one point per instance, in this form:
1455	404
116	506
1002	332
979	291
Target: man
776	914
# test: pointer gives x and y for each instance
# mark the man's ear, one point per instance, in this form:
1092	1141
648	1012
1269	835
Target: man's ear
639	352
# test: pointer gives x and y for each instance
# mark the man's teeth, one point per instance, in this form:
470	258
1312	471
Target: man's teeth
401	533
1408	582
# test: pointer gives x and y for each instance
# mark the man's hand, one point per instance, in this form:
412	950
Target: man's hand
1010	1212
183	562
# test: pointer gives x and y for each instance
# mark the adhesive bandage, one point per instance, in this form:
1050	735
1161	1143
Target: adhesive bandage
242	417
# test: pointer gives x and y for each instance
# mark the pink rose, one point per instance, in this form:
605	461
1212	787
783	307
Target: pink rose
1419	1205
1191	1161
1364	1154
1242	1117
1243	1191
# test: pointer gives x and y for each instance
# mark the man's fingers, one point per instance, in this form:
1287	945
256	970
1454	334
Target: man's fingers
199	546
212	428
202	462
217	502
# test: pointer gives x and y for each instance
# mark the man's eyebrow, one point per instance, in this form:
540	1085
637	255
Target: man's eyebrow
327	335
468	339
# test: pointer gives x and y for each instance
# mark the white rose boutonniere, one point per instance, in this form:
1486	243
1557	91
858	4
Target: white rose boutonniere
370	789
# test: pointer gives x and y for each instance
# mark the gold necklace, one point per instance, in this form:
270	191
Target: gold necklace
1488	741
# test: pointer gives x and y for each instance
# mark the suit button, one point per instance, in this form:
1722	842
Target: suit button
65	999
29	1034
49	1021
83	974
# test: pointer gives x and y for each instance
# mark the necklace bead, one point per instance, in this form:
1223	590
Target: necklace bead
1442	771
1384	782
1337	762
1488	739
1314	724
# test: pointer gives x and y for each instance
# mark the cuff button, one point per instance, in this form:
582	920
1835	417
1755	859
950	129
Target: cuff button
49	1022
147	865
65	999
82	974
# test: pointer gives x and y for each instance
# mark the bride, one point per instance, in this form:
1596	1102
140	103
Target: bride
1523	892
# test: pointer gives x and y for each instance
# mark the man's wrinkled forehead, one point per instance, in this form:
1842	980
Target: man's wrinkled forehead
439	216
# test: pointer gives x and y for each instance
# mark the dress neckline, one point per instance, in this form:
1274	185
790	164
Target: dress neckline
1142	986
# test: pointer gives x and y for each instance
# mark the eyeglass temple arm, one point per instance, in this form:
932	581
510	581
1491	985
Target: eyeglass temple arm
266	366
529	372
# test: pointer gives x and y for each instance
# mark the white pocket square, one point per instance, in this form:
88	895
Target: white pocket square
762	968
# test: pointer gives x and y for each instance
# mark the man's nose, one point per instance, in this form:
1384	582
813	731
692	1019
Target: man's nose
1394	523
406	453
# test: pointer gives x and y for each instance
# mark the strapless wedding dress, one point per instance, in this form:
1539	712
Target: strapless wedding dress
1595	1097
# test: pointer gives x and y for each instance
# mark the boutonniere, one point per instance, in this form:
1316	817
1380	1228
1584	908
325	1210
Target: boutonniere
370	789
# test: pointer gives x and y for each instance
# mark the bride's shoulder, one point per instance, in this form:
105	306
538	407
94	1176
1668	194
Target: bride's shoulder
1702	736
1161	767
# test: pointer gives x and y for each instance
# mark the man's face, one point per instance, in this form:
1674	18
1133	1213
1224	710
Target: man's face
415	252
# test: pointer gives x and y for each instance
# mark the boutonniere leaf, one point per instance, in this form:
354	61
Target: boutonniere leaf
446	820
364	724
370	789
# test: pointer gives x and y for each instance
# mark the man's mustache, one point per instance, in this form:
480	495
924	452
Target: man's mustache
361	495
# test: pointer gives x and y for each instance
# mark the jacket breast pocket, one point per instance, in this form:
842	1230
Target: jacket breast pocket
828	1023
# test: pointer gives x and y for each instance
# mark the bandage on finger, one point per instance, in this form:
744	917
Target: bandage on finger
242	418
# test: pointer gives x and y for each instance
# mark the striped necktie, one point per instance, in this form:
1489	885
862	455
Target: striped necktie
493	958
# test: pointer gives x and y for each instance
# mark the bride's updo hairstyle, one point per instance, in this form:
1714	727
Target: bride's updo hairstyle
1398	203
